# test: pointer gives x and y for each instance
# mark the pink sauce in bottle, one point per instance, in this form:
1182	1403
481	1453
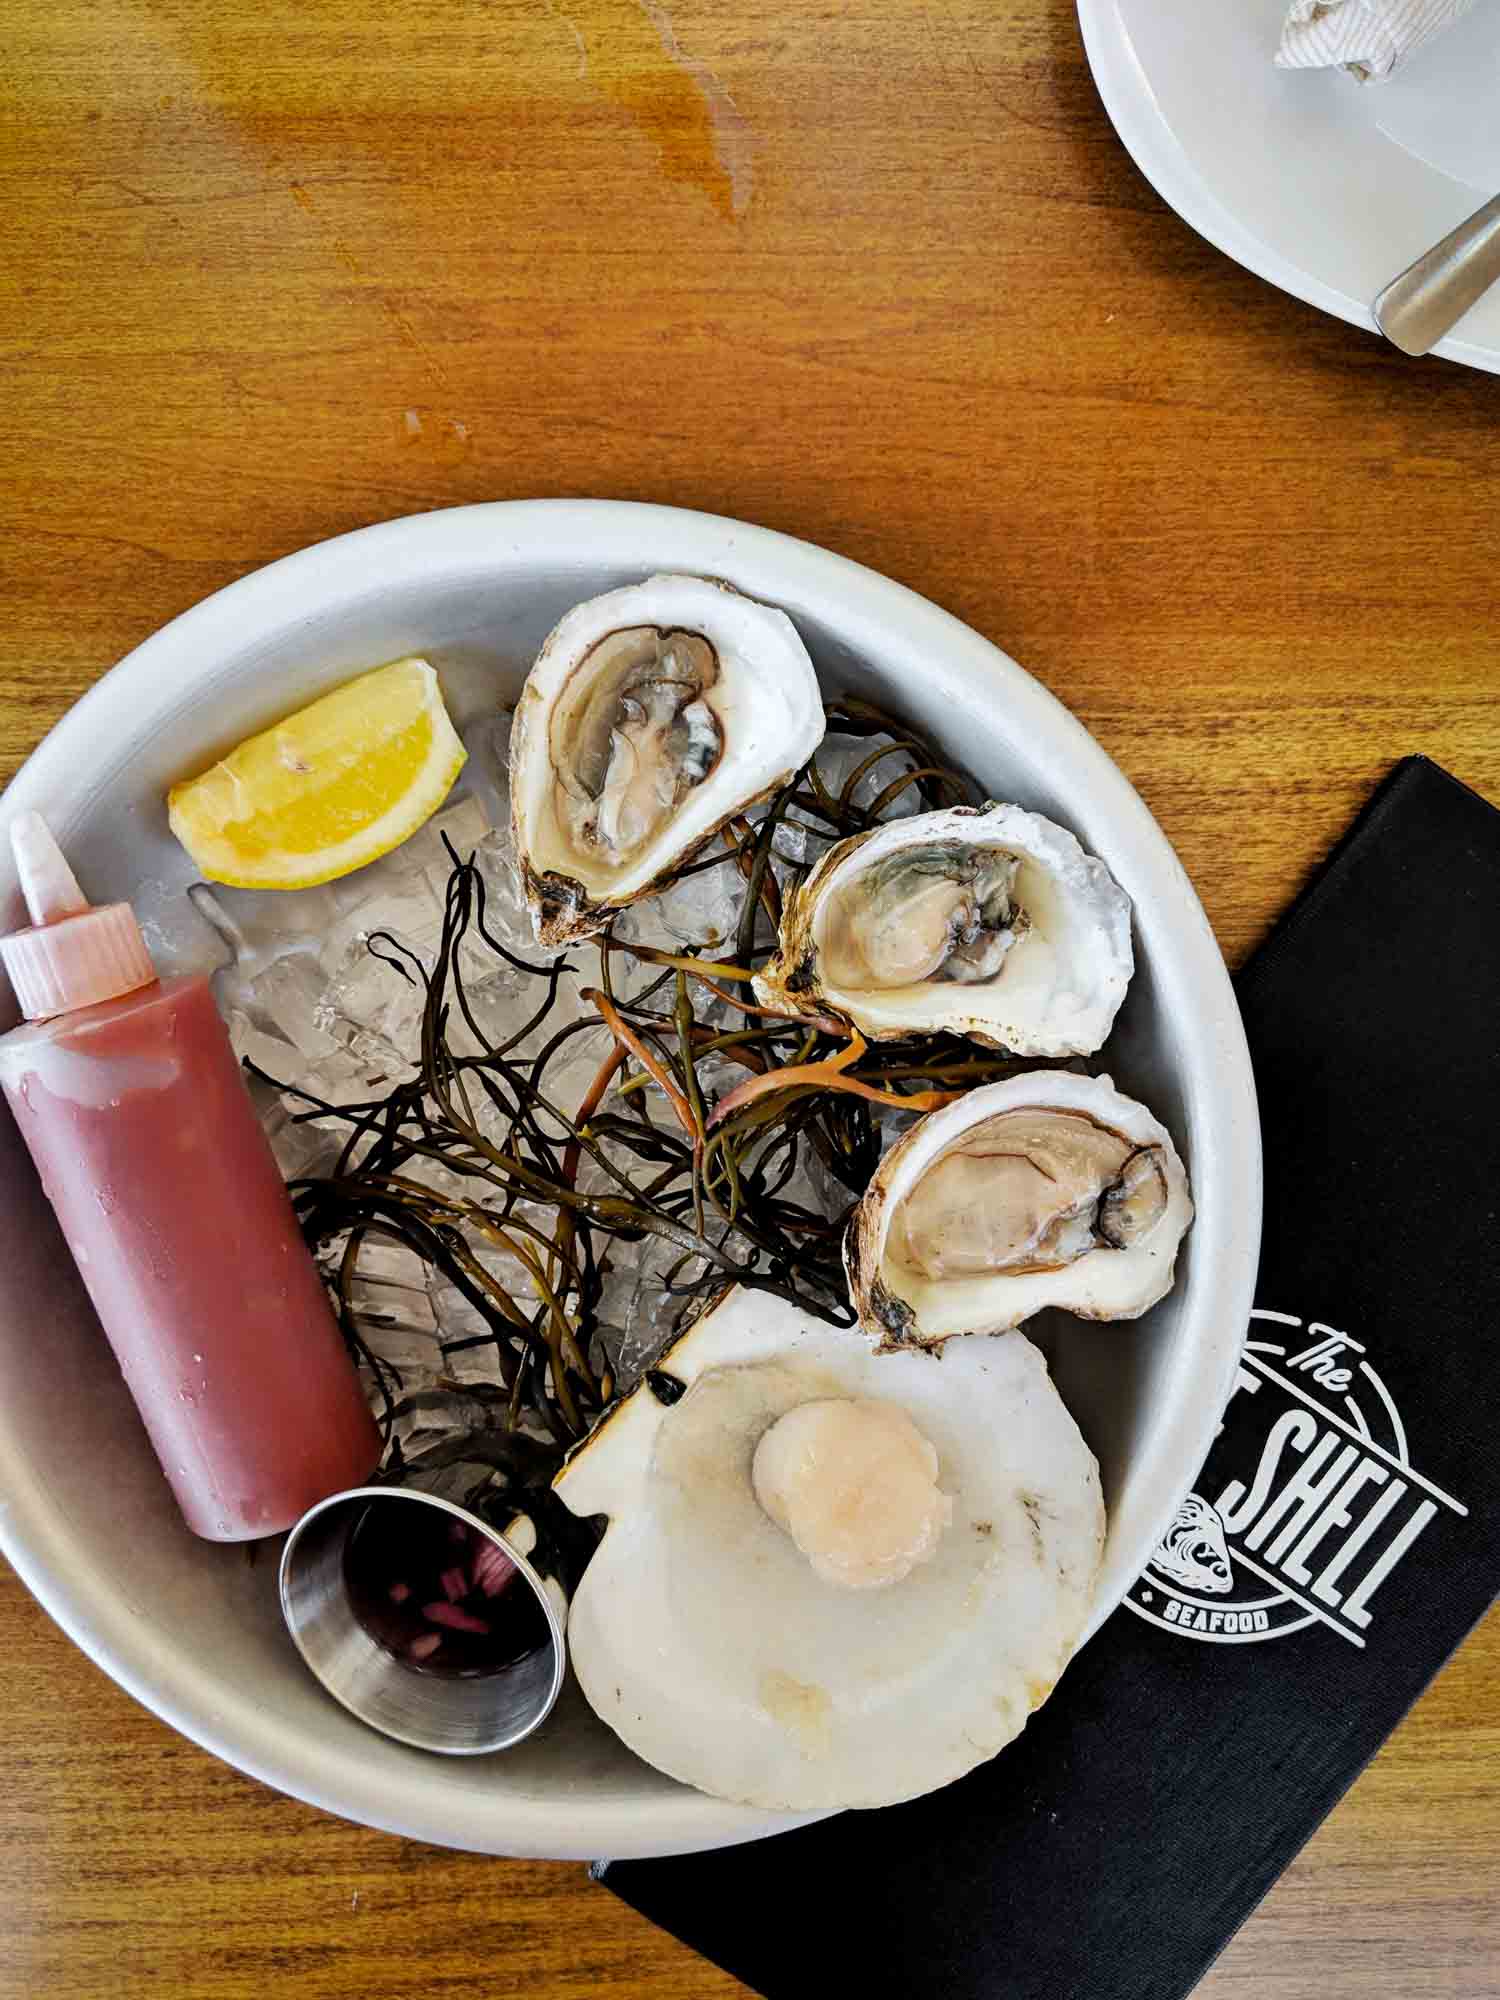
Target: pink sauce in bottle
130	1099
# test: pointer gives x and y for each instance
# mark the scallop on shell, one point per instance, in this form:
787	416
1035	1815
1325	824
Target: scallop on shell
653	715
1046	1190
993	924
710	1636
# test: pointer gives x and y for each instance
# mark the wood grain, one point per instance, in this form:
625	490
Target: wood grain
883	277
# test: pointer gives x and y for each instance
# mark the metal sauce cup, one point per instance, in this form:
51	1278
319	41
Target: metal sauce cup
461	1716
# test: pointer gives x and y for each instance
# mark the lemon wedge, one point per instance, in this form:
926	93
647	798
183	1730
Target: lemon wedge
338	784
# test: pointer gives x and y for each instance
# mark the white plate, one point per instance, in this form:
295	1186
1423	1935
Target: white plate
1326	186
190	1628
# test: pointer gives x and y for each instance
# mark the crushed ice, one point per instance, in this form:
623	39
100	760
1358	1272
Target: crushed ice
318	991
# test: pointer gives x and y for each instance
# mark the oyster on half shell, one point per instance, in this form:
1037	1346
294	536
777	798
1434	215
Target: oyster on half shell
1046	1190
993	924
653	715
830	1577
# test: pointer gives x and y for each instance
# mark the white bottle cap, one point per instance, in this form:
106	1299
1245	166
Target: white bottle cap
75	955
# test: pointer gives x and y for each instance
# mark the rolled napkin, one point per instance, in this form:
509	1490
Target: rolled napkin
1369	38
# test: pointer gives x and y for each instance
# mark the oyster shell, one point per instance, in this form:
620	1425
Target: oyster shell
718	1629
993	924
653	715
1046	1190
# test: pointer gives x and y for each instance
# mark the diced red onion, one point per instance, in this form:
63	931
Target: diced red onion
455	1583
423	1647
455	1618
493	1568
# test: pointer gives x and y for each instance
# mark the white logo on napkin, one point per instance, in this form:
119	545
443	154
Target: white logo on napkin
1315	1501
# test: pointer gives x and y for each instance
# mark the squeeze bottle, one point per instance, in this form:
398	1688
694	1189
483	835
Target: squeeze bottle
131	1102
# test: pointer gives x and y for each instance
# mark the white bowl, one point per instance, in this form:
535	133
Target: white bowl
1324	186
193	1630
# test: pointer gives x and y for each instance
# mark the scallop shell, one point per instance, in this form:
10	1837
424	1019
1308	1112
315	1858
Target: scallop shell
704	1638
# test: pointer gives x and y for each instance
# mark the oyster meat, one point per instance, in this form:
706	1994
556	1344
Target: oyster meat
653	716
1046	1190
993	924
830	1577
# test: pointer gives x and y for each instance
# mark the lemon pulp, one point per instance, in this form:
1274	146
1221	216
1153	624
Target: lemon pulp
328	789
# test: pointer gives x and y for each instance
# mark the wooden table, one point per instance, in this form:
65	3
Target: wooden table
881	276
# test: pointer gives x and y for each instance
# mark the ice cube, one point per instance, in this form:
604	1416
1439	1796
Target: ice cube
437	1411
405	1345
468	1340
336	1077
303	1147
814	1190
287	998
592	1179
463	823
620	1285
841	756
385	1261
612	1320
718	1074
569	1075
700	910
385	1267
398	903
178	934
639	1315
445	1182
373	1001
487	773
397	1326
261	924
891	1125
388	1302
456	1315
345	1079
793	842
277	1058
506	916
500	1004
508	1270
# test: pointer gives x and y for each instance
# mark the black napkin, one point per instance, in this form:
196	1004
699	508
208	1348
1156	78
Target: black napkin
1342	1538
